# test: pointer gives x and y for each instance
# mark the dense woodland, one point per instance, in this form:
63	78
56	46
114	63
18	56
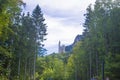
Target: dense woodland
95	57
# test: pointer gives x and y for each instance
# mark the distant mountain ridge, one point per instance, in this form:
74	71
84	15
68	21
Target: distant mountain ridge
68	48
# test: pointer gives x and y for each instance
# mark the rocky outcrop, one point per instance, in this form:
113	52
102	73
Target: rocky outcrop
70	47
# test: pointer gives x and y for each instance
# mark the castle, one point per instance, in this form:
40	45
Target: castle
61	48
66	49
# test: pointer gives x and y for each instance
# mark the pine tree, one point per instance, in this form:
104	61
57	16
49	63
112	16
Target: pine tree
40	26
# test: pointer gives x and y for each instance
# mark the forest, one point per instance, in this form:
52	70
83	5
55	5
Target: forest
22	52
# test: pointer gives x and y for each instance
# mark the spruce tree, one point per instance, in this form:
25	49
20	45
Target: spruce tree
40	26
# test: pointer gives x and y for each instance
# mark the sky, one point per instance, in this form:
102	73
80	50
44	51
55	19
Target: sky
64	19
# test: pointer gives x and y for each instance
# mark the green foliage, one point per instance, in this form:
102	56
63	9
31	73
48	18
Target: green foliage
20	38
112	66
50	67
101	37
7	8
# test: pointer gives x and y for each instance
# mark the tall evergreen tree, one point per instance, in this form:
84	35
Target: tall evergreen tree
40	26
38	21
100	36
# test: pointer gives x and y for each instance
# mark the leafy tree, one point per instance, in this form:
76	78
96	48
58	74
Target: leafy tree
50	67
8	9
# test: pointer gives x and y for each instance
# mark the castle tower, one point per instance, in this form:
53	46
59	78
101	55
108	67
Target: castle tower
59	46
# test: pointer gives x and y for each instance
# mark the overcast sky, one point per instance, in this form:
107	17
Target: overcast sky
64	19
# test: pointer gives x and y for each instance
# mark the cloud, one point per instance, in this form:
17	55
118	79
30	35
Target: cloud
64	4
64	19
60	31
59	5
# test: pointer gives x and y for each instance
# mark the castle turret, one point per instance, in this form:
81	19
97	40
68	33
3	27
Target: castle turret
61	48
59	45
